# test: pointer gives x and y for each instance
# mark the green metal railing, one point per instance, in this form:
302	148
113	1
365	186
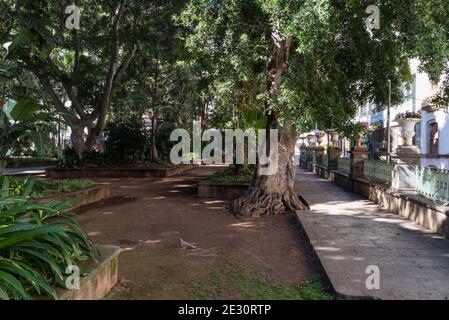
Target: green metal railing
344	165
433	183
377	171
325	160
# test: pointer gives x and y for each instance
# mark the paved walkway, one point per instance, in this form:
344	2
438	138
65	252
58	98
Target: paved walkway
350	233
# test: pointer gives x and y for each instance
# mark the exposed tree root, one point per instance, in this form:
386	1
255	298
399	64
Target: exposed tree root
275	194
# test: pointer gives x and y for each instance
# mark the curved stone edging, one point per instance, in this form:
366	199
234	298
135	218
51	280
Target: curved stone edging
75	173
101	277
86	196
227	191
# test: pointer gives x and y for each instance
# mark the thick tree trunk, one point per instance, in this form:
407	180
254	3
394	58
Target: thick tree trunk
275	194
154	154
81	142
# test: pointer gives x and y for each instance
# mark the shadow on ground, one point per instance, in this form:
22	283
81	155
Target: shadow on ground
147	218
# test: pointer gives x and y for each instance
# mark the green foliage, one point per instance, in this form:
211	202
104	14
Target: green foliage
125	142
235	174
24	109
354	130
335	63
164	145
71	159
28	126
37	243
239	284
46	187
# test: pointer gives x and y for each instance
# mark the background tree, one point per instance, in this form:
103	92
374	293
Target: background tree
78	69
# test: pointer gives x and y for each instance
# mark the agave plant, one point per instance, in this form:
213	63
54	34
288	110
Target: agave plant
37	243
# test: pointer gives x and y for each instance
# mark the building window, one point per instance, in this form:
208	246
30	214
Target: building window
433	138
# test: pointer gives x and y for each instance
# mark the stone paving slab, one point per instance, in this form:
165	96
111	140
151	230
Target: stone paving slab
349	233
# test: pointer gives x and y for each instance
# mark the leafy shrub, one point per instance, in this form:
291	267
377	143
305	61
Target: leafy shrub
164	145
45	187
235	174
37	243
126	142
69	158
92	158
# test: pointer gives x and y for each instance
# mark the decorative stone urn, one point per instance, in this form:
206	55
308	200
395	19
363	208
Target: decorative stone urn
310	139
360	139
334	136
408	129
319	137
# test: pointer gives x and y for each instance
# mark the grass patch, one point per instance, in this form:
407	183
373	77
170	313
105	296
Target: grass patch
234	283
47	187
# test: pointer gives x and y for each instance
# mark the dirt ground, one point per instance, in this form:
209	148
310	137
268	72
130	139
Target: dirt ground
147	218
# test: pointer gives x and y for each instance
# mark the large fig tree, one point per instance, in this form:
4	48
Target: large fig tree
314	59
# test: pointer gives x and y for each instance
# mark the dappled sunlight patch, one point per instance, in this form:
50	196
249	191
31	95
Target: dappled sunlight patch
329	249
215	208
156	198
343	258
386	220
153	242
214	202
244	225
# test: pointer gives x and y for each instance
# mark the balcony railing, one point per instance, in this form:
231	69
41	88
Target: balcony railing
344	165
325	160
433	183
377	171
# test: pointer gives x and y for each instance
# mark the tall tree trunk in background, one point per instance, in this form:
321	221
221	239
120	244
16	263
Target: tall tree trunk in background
154	155
274	194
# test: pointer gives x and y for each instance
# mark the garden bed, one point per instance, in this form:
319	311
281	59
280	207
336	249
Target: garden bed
31	162
117	172
84	197
225	190
46	190
100	279
228	184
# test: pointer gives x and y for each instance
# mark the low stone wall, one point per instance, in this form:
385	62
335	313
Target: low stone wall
411	206
144	172
30	162
86	196
322	171
101	277
227	191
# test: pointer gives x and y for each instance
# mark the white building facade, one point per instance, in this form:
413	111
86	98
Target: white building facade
432	133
